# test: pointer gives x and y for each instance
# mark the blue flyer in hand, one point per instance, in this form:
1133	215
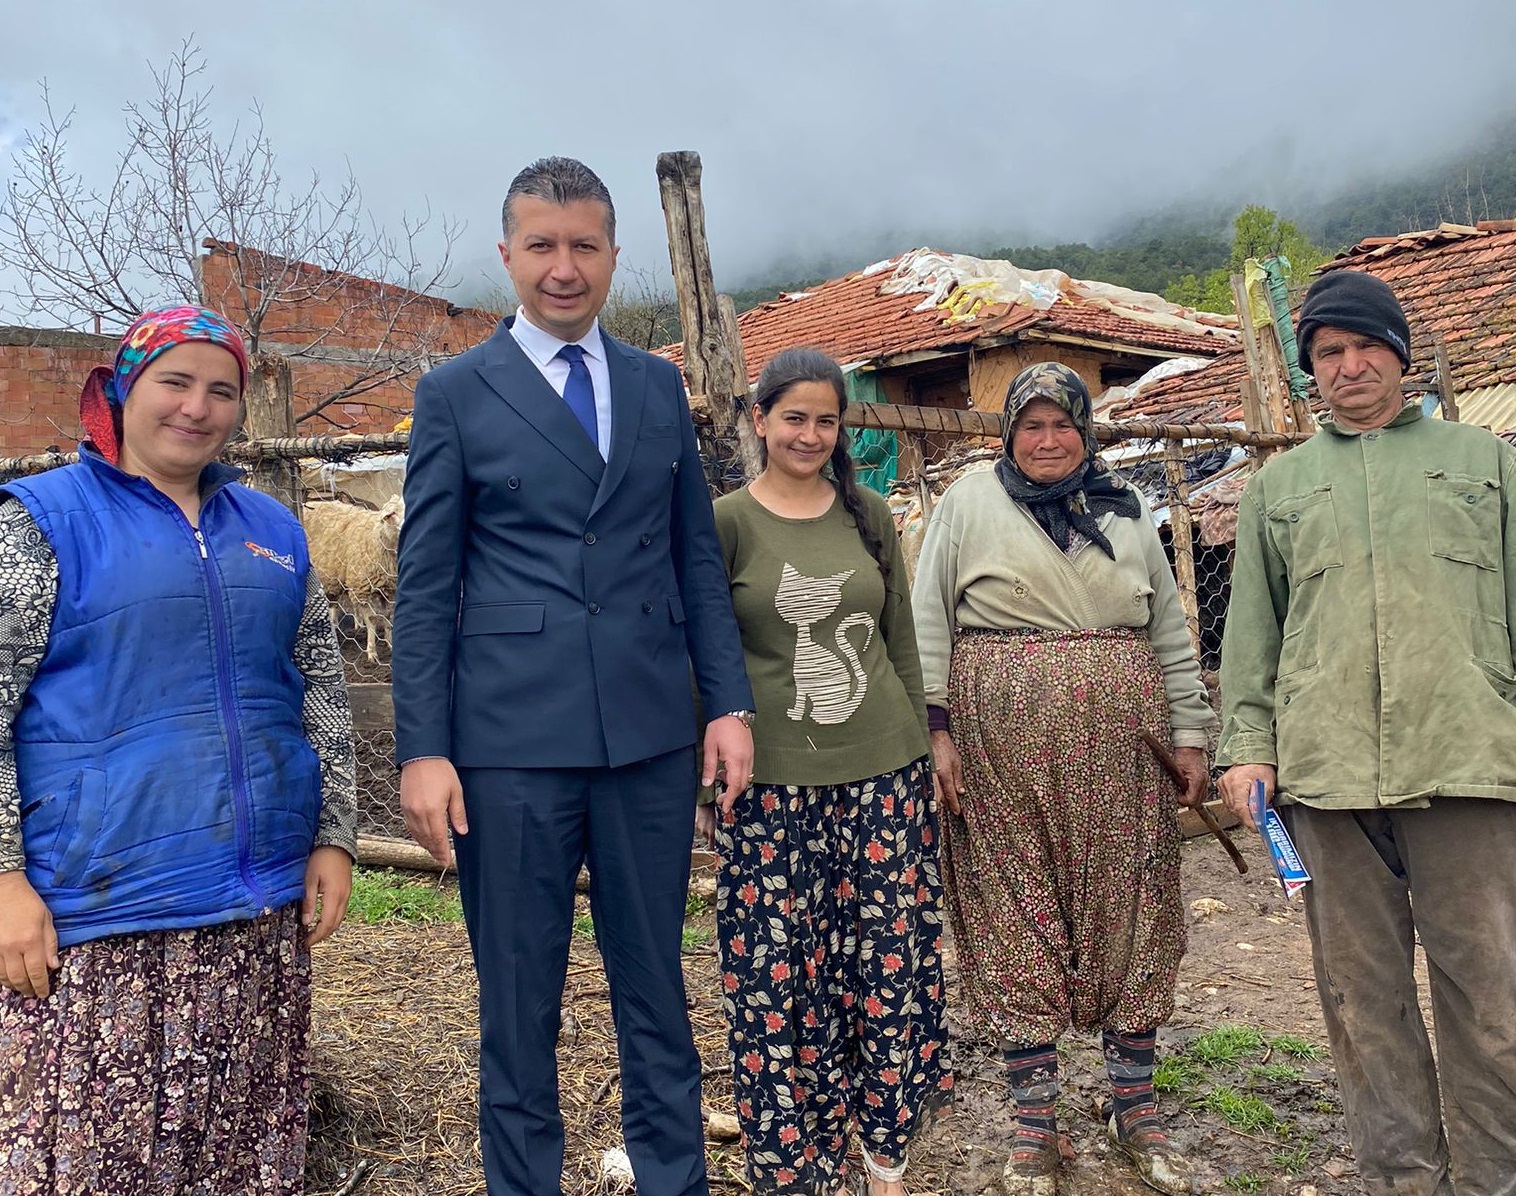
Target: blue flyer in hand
1287	866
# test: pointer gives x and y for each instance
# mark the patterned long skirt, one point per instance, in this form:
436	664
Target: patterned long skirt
1063	872
828	913
171	1063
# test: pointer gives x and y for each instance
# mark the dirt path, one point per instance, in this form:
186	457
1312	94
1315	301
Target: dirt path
396	1049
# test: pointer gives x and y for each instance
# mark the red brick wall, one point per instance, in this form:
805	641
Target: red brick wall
341	312
41	374
41	371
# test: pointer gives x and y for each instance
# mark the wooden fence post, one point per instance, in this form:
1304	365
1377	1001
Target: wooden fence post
1181	523
1445	380
747	438
709	362
270	399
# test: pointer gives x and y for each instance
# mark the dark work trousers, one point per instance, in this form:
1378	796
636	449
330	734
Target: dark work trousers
1445	874
529	832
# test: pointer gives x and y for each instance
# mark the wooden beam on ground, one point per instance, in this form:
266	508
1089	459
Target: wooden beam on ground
377	851
380	851
373	709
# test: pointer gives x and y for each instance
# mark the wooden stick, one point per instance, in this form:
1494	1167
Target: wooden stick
1171	766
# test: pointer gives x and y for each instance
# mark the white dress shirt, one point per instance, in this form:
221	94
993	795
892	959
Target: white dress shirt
542	347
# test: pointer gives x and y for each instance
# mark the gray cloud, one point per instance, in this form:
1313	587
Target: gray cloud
826	127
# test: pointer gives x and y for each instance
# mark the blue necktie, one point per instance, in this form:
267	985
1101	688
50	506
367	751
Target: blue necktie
579	392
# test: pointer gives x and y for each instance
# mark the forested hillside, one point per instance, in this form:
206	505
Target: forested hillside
1179	252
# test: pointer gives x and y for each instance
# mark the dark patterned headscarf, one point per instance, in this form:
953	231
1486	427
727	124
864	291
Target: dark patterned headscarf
152	333
1077	502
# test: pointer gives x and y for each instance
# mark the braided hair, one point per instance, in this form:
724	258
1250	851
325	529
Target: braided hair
802	364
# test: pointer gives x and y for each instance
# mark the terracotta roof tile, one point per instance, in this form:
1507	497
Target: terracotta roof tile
852	320
1455	281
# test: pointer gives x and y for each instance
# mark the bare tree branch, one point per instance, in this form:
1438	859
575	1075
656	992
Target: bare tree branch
180	187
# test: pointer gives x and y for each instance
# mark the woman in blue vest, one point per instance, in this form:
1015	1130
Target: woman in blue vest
177	814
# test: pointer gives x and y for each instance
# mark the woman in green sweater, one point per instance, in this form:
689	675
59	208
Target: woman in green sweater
827	901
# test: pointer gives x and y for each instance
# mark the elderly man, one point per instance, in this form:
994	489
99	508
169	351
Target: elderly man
1367	677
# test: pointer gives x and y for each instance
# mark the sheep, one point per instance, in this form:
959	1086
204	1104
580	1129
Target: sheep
353	552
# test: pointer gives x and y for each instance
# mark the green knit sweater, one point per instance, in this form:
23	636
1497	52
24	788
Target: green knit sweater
830	646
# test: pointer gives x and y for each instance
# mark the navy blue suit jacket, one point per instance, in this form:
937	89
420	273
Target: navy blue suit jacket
549	603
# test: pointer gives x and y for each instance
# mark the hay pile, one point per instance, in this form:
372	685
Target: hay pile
395	1063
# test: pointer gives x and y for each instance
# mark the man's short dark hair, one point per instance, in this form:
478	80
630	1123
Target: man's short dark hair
559	181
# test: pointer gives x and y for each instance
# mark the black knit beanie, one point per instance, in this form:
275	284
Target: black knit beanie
1357	302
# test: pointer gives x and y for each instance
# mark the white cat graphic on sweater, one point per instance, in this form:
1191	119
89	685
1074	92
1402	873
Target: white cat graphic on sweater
832	685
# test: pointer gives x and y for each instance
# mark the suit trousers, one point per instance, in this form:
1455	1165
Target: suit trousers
530	829
1381	879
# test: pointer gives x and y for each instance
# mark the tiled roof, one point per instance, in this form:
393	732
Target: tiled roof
870	314
1455	281
1211	395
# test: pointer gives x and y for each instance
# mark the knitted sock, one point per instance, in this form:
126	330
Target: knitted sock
1033	1073
1129	1064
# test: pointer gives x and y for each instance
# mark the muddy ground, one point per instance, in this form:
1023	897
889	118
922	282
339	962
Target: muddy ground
395	1051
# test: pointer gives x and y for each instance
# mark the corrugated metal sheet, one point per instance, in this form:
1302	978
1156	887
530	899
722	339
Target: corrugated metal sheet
1492	407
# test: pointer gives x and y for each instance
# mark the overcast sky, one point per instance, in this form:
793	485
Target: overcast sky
821	123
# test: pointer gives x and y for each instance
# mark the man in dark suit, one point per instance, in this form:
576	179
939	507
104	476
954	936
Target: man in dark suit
559	576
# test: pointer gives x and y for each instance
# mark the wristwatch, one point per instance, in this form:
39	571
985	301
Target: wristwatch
745	717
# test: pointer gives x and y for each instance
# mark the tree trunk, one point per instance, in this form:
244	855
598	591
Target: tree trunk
270	412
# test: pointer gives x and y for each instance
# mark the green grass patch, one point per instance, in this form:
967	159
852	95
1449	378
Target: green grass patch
1226	1045
1293	1159
390	896
695	905
1240	1110
1176	1074
1275	1073
695	936
1245	1181
584	926
1296	1047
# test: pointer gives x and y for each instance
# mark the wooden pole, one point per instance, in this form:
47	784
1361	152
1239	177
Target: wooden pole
1181	523
708	357
270	400
747	439
1445	381
1271	404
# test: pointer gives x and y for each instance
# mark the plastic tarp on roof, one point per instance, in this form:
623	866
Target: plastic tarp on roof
966	285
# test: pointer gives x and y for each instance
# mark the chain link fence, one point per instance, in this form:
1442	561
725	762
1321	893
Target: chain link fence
1192	483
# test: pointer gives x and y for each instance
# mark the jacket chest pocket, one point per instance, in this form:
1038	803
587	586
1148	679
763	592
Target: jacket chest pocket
1307	523
1463	518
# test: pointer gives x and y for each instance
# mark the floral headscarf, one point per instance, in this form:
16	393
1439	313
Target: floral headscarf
1077	502
153	333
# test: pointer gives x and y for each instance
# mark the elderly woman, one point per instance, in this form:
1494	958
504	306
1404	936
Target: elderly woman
177	816
1051	635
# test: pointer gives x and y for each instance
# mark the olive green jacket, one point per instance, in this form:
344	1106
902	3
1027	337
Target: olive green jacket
1367	650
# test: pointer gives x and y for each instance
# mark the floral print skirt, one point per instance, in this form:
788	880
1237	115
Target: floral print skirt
169	1063
1062	874
828	913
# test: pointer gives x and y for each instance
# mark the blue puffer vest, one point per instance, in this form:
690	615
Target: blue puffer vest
166	780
